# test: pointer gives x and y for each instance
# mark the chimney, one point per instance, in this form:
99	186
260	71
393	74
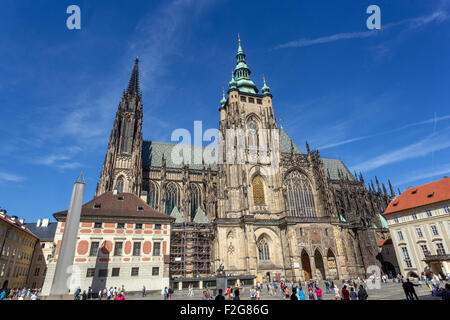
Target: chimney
21	221
144	196
14	218
38	223
3	213
45	222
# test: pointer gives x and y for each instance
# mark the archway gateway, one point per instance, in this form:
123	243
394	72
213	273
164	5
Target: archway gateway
320	269
332	265
306	265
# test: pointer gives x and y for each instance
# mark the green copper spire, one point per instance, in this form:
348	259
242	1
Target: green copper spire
223	102
242	73
265	89
232	83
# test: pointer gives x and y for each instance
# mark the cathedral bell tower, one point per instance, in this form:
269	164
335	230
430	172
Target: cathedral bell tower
122	169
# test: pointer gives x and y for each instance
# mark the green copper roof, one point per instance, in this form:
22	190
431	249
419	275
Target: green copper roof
265	89
223	102
177	215
200	216
285	143
242	74
334	166
384	223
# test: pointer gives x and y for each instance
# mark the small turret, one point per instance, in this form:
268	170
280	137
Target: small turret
265	89
223	102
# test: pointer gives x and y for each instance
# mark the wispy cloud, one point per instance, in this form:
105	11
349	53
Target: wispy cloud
8	177
445	169
411	23
434	142
364	137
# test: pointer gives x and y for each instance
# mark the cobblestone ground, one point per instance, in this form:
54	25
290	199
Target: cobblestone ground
388	291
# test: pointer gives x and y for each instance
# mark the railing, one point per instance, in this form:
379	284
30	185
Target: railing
436	257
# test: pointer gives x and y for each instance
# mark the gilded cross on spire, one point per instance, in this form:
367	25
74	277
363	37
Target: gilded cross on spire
239	38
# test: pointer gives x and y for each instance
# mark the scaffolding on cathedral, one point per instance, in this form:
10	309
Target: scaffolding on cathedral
190	250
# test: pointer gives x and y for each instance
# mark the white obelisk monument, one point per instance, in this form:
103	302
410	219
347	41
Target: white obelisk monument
64	271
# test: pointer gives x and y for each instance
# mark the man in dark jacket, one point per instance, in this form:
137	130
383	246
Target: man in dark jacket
220	296
410	292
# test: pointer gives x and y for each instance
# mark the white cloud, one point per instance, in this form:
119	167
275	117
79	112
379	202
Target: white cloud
425	175
8	177
428	145
412	23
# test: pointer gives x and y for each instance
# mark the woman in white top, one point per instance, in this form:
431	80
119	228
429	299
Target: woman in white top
337	295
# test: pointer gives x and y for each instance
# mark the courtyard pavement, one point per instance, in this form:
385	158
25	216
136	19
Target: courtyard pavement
388	291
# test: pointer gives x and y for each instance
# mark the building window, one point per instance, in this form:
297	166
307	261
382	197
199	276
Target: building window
115	272
155	271
251	100
153	195
434	230
103	273
406	257
326	231
396	220
424	249
414	216
94	249
258	101
126	137
36	271
447	209
157	227
118	249
300	195
157	248
300	232
43	245
429	213
120	184
138	226
195	200
440	250
258	190
419	232
137	249
172	197
243	99
90	272
263	250
400	235
45	272
120	225
134	272
97	225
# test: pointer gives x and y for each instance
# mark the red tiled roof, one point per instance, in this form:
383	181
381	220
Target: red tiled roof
426	194
120	205
16	223
385	242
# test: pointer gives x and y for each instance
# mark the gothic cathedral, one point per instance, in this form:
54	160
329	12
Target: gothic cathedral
302	217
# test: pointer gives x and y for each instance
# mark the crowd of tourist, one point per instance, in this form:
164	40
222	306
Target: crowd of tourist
19	294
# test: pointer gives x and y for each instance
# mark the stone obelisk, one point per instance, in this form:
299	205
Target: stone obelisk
63	270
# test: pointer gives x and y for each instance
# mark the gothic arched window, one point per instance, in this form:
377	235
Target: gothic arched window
153	195
172	197
120	184
263	250
126	136
195	200
258	190
300	195
252	135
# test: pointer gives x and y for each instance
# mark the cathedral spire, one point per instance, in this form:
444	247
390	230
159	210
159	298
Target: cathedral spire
133	85
242	72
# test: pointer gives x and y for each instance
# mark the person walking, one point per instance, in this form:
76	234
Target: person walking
294	294
100	294
345	293
362	293
252	293
300	293
220	296
410	292
236	295
353	294
319	293
144	293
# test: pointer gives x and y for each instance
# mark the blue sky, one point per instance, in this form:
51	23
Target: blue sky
378	100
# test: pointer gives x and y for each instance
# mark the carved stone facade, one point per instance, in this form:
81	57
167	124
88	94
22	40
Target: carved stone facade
280	213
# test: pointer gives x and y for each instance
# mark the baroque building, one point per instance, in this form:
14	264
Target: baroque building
265	208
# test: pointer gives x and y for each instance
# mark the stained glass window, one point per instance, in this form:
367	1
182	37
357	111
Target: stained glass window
258	190
300	195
